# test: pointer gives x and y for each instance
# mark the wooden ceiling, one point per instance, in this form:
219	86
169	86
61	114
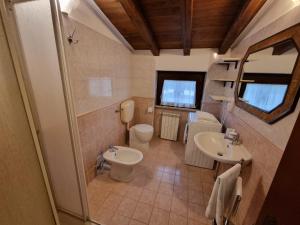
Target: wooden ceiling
180	24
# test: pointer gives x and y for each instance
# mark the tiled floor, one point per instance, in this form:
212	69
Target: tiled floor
164	191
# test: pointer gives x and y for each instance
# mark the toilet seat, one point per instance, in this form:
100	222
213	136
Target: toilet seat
143	128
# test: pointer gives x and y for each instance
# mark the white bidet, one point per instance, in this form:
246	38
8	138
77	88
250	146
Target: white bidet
123	160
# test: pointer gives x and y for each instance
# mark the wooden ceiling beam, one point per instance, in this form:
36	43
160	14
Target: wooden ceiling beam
142	25
187	26
249	10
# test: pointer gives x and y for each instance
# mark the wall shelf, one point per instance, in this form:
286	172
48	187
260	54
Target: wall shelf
228	61
220	98
225	80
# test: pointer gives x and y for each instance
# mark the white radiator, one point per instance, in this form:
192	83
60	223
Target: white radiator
169	126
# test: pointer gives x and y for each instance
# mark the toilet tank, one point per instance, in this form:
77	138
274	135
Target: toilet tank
127	110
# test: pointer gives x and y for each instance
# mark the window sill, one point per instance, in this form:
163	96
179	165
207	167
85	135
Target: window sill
175	108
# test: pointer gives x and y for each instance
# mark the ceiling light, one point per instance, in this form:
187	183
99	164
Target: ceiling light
216	55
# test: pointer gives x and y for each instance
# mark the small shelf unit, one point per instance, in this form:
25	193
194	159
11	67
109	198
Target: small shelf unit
228	61
225	80
220	98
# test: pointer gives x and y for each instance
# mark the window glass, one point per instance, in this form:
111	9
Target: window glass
179	93
265	96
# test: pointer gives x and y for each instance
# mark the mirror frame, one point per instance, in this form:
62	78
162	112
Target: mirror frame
293	92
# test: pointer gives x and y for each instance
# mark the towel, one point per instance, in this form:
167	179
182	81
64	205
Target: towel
237	193
222	194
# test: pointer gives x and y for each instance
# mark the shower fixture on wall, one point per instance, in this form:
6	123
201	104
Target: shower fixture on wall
71	39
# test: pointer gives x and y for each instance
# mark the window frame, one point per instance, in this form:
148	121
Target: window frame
199	77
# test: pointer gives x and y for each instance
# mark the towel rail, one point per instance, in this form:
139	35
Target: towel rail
237	200
233	210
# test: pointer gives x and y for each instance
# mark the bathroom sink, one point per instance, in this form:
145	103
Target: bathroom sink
215	146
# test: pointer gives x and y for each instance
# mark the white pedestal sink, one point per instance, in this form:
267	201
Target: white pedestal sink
215	146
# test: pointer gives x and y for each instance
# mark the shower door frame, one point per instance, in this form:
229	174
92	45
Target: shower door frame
10	27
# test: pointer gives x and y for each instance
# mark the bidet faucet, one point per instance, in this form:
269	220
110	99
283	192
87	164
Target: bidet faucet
112	148
233	136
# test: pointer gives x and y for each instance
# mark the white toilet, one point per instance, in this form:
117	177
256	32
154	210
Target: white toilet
140	135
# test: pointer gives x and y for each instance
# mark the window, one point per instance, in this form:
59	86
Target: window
179	93
180	89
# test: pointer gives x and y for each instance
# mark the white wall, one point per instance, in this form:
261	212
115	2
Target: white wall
145	65
270	12
84	13
174	60
277	9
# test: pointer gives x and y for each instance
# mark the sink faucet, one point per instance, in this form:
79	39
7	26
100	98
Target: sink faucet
112	148
233	136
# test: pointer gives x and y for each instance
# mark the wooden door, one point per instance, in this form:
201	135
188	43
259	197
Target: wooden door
282	205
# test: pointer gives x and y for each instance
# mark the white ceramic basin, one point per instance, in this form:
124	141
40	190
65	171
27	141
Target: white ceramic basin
215	146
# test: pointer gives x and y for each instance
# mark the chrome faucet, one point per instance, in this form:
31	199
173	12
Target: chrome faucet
233	136
112	148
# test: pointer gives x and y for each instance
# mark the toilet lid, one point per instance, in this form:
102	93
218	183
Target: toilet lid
144	128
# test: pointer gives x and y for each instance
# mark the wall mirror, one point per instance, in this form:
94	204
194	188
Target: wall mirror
269	76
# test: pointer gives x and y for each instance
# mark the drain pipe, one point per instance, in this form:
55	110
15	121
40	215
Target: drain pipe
101	164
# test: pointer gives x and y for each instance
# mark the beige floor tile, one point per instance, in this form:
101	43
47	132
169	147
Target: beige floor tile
168	178
135	222
152	184
181	193
166	188
162	181
143	212
181	170
180	181
163	201
159	217
126	207
119	220
120	188
134	192
154	173
148	196
138	181
194	184
194	222
112	201
177	219
195	197
179	207
103	216
171	169
196	212
207	188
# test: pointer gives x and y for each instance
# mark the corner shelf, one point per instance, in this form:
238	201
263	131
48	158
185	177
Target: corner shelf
220	98
228	61
225	80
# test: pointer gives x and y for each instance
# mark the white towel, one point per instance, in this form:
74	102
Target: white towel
222	194
237	193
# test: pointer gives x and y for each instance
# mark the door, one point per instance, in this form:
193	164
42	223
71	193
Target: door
34	34
282	205
24	199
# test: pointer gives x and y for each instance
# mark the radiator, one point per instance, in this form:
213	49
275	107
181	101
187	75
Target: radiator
169	126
